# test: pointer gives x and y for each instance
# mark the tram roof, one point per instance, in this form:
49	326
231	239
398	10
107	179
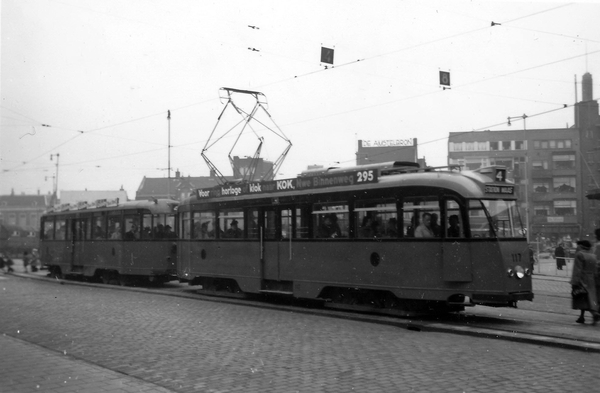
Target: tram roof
155	206
488	182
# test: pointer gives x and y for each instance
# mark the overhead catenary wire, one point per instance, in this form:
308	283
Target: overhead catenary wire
80	133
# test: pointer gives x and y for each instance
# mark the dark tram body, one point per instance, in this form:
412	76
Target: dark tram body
351	237
111	241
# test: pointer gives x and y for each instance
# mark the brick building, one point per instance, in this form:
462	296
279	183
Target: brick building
557	169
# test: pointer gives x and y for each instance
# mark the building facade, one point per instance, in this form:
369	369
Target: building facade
378	151
20	221
555	168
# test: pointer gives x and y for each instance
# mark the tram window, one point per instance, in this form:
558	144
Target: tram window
170	226
270	226
48	228
99	226
331	221
203	225
454	226
114	226
252	224
186	226
286	223
132	227
164	226
376	219
302	223
146	227
61	229
86	228
232	222
79	227
414	209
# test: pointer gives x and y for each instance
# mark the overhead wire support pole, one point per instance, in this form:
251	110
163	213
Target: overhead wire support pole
169	155
55	194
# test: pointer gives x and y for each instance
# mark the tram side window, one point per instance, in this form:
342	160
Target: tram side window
331	221
302	223
48	228
376	219
82	229
186	226
203	225
132	227
232	222
287	219
252	224
454	226
99	226
146	227
61	229
115	226
164	226
421	217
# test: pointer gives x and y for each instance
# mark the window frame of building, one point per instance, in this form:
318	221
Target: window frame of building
570	160
562	184
561	206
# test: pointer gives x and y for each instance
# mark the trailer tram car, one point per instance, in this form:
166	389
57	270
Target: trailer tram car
117	243
347	237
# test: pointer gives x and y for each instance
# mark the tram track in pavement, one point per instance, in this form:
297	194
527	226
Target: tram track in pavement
520	325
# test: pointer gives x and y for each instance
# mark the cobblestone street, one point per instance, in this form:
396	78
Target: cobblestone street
187	345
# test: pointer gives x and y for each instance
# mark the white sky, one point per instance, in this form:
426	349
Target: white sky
103	73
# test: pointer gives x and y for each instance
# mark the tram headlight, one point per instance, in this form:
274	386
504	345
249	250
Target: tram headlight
519	272
528	271
510	272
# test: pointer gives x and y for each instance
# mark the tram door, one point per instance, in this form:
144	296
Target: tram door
456	252
78	234
277	243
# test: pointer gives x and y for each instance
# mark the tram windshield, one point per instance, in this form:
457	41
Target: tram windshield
495	218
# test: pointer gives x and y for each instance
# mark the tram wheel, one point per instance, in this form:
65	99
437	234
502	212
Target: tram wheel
123	280
110	277
54	272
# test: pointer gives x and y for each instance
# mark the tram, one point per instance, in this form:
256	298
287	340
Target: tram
351	237
117	243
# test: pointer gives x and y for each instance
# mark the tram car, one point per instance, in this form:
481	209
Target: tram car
392	237
116	243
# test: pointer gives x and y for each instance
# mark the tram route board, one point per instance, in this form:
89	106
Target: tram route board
298	183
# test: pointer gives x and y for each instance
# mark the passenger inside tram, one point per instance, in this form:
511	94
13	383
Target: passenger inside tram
454	227
329	228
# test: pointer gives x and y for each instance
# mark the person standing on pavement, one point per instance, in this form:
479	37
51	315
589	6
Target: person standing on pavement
26	260
597	253
584	272
559	254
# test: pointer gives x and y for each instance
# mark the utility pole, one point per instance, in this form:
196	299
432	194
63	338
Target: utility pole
169	156
55	194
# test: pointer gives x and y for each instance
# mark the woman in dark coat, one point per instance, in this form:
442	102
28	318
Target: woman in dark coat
584	270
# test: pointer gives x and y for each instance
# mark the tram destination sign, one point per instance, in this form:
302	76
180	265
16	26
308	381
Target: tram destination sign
499	189
295	184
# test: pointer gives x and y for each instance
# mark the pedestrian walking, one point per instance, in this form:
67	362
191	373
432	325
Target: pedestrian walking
35	260
6	262
583	282
597	253
559	254
26	260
